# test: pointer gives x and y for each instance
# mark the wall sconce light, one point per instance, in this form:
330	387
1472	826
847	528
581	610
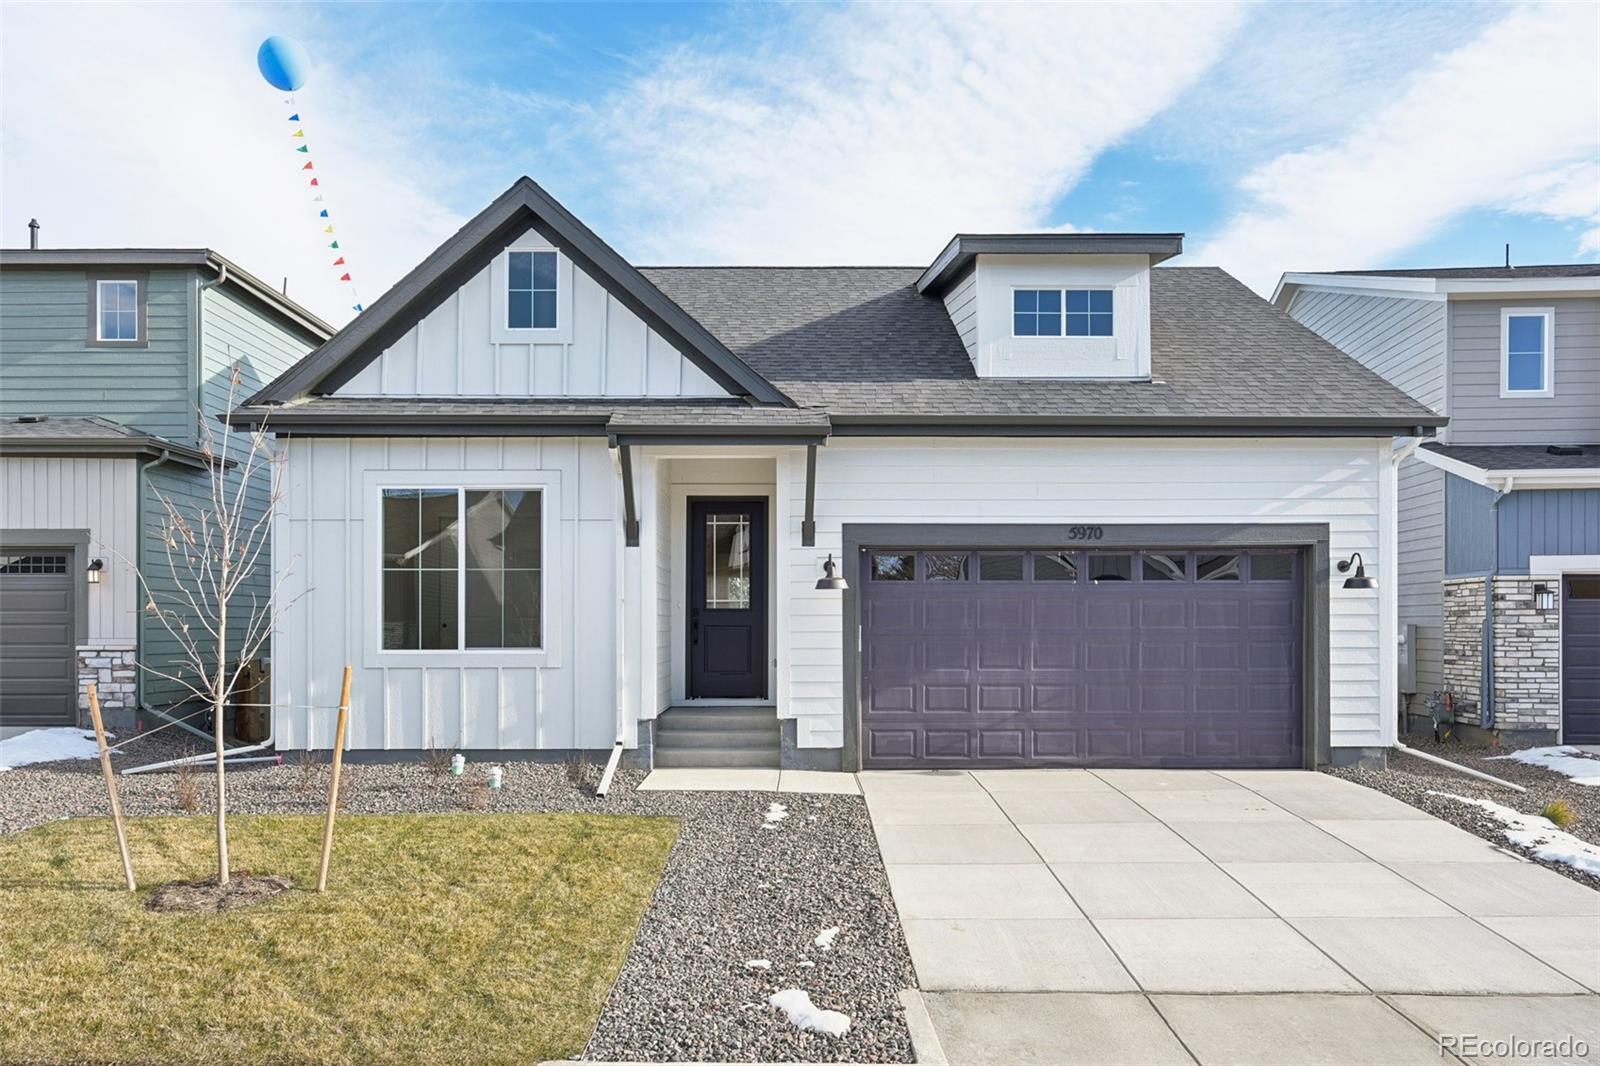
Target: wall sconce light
93	572
1544	597
1359	579
830	581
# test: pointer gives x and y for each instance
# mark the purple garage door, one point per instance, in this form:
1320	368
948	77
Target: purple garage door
1580	661
1070	658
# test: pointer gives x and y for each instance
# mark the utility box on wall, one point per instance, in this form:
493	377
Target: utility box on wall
1408	658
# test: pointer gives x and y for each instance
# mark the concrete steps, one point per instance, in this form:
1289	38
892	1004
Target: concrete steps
718	736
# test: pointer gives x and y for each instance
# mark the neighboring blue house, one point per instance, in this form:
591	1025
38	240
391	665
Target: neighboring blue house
110	363
1500	517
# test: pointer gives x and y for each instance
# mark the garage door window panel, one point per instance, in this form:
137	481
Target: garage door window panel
944	566
1104	567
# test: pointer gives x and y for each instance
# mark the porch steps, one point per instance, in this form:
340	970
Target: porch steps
717	736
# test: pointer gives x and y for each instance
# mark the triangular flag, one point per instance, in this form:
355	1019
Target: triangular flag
335	244
328	229
304	148
356	308
313	181
308	166
299	133
294	117
339	262
317	199
324	212
344	277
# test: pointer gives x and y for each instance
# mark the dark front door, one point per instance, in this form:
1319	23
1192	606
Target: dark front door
1005	657
1580	661
727	599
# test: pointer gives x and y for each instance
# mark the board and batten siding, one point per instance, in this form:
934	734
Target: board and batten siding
1421	538
1337	482
1484	537
326	557
603	349
1480	415
962	304
1401	340
93	494
47	366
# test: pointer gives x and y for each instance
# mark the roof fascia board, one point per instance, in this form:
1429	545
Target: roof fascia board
1197	427
1518	288
1454	466
964	247
76	448
525	205
1571	478
1429	288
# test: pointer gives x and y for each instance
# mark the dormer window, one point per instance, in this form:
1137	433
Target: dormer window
1038	313
531	290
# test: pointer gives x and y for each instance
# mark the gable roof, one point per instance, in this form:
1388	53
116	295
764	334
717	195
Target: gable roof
522	207
226	270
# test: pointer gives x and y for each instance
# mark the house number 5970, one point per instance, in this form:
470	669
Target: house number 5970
1085	532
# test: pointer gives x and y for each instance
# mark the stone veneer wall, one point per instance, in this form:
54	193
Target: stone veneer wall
1527	655
112	669
1463	646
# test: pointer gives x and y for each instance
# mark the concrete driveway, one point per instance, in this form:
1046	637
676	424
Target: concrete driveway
1150	916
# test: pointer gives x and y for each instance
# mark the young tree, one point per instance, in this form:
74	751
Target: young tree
213	610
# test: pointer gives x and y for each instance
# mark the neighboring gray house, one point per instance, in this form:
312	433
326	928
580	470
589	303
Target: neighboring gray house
1088	509
109	361
1500	517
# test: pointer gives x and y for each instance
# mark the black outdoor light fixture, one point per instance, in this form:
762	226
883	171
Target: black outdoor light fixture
93	571
1359	579
1544	597
830	581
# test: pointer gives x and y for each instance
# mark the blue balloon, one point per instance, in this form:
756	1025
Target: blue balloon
283	63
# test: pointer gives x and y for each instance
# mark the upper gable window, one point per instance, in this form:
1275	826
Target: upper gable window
116	310
531	290
1525	352
1039	313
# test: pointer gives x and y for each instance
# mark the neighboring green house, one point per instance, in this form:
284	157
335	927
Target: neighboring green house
112	361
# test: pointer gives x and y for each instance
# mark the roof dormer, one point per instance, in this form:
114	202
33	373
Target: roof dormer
1052	305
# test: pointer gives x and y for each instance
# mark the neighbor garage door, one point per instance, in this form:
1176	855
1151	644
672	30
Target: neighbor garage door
38	682
1066	658
1580	661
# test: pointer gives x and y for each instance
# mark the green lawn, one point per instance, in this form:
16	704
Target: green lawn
442	938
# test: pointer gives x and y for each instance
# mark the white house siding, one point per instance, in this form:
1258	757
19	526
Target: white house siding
409	701
601	349
1401	339
99	495
1344	483
962	304
1421	539
1480	415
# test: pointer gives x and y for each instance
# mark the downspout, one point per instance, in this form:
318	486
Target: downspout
140	514
1486	669
1399	452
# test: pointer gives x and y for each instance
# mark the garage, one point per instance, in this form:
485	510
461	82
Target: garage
38	681
1010	656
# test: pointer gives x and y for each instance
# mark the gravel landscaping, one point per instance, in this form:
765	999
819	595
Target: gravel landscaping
738	888
1411	780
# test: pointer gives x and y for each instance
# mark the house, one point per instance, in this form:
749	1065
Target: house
110	362
1500	516
1039	502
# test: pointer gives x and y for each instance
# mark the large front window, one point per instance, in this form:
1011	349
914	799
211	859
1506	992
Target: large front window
461	569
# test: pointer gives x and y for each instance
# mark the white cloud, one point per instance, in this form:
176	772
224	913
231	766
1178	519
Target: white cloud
147	125
1500	122
872	133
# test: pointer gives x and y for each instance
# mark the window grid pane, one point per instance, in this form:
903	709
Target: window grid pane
118	306
1036	312
531	290
420	579
728	562
1089	312
503	550
1525	345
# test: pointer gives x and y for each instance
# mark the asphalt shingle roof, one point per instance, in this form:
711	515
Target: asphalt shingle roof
861	343
1518	456
1552	270
91	428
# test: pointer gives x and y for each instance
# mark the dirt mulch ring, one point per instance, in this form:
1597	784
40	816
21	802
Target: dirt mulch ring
243	889
1412	780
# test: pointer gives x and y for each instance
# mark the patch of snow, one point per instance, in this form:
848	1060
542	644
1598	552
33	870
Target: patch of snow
807	963
48	745
805	1015
758	964
776	813
1539	835
1567	761
824	939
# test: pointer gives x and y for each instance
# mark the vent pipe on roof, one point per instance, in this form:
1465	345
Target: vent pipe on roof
1508	255
33	234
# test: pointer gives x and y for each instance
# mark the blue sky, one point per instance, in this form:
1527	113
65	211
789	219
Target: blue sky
1287	136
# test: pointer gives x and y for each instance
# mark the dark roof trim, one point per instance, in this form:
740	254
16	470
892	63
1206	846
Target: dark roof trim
952	263
473	247
196	258
289	423
1152	426
130	447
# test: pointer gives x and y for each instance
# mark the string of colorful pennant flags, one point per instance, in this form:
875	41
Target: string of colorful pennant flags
319	199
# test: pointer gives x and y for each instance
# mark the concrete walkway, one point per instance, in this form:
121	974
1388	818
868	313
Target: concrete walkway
1147	916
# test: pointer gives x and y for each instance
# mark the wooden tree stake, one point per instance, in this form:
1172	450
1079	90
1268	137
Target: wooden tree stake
111	785
333	781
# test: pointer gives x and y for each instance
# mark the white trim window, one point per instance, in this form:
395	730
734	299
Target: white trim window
462	569
116	311
1527	352
1062	312
532	288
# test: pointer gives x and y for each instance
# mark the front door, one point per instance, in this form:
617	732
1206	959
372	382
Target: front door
727	599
